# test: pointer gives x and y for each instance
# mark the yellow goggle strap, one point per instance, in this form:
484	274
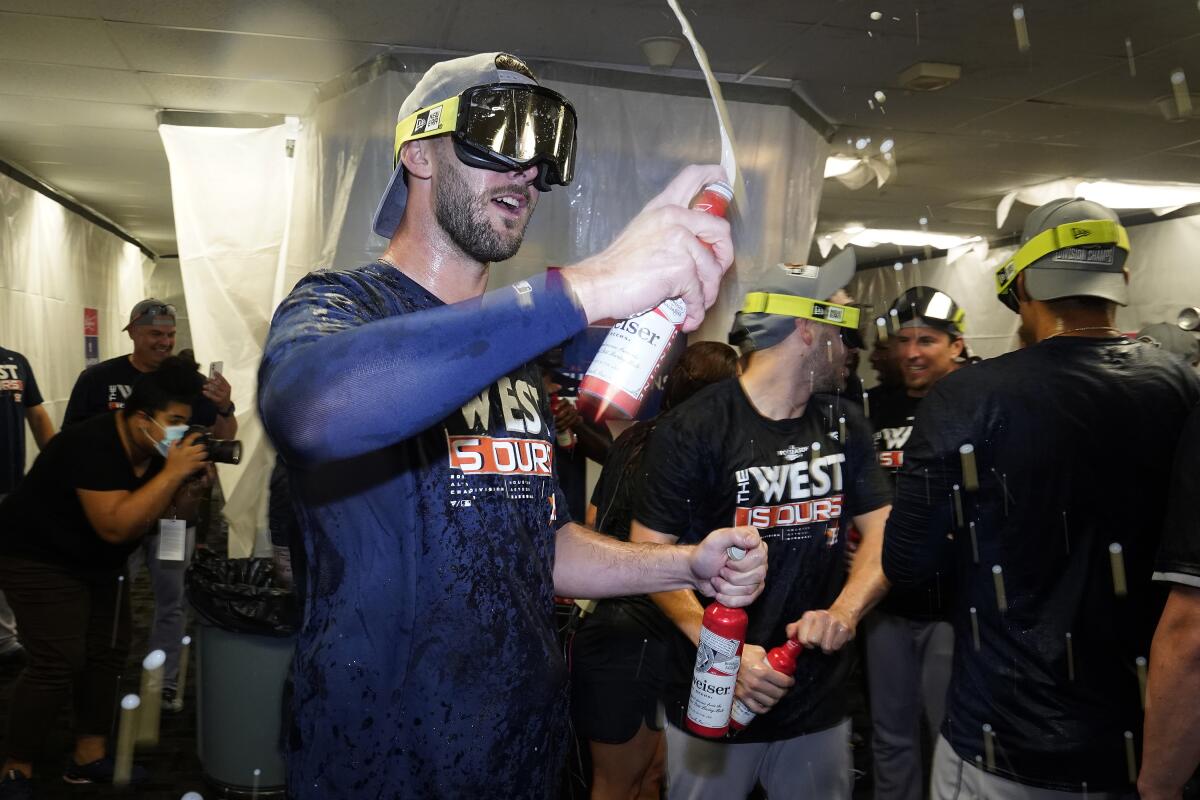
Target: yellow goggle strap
1071	234
803	307
431	120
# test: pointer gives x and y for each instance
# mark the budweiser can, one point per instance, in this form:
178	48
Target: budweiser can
718	657
634	353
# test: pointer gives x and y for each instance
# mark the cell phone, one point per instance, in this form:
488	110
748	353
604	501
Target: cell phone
215	368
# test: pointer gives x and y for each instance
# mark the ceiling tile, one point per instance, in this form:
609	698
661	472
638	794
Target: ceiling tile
72	82
57	40
223	94
56	111
236	55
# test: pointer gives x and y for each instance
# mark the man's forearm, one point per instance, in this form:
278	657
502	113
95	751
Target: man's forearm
134	516
590	565
867	584
225	427
40	425
684	610
1171	743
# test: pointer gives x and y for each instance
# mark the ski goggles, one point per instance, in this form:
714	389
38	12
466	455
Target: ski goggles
1076	240
502	127
934	308
845	318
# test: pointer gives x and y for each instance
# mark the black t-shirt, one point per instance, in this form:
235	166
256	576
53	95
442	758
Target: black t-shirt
715	462
18	391
106	386
892	414
1179	554
1073	443
44	520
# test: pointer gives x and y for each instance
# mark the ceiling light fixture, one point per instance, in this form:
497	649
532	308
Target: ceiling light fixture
1161	198
661	51
840	165
859	236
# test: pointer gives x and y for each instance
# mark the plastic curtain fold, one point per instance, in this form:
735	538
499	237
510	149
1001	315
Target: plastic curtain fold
53	265
231	190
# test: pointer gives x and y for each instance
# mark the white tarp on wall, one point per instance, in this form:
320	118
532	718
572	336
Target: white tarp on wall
231	189
53	264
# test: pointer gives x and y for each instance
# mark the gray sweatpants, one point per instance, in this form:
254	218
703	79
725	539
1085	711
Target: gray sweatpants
908	671
956	779
170	615
813	767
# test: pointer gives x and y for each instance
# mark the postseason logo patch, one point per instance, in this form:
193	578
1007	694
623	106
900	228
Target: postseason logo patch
1086	255
826	312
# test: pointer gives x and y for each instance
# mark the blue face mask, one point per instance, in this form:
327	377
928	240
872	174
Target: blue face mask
173	434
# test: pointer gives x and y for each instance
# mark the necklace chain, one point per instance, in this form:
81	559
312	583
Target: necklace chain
1087	328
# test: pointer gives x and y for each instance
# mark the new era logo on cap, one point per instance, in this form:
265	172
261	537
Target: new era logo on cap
1079	233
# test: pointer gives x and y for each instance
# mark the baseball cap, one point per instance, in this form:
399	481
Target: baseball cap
1173	339
788	291
1076	270
151	312
444	80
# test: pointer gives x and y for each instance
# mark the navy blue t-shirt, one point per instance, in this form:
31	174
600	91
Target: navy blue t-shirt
18	391
106	386
428	663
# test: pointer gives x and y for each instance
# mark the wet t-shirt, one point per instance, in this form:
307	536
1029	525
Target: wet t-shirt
1178	558
428	663
715	462
1073	440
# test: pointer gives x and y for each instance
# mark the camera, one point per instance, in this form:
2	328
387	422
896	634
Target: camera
220	451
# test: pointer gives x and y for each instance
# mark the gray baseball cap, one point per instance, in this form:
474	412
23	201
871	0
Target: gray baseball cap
1173	339
442	81
151	311
758	331
1088	271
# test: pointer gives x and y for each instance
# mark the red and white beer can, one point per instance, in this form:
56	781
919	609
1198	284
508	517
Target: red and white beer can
633	354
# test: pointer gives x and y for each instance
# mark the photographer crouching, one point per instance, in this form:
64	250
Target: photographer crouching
93	493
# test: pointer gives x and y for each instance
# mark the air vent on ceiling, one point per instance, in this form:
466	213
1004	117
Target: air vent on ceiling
929	76
1169	107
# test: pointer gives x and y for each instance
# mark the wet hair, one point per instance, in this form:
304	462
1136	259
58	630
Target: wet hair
701	364
175	381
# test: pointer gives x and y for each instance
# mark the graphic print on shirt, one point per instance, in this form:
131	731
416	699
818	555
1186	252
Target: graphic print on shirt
500	443
10	381
795	500
117	395
890	444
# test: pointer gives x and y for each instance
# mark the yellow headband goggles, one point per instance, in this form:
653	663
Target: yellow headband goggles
425	122
803	307
1064	237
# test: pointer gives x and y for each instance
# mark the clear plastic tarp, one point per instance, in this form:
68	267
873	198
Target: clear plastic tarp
53	265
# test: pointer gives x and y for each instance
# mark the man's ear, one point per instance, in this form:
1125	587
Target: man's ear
417	158
806	330
956	346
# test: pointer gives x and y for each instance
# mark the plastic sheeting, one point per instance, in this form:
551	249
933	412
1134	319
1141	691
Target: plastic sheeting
232	190
53	264
631	143
1163	279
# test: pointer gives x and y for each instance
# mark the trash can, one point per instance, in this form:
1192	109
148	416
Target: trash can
245	637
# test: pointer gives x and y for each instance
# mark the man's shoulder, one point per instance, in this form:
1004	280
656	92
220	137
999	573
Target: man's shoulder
106	368
367	291
702	409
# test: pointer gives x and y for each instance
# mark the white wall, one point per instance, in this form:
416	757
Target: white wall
53	264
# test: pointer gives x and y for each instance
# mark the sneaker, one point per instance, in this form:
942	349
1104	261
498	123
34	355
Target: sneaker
99	771
171	701
16	786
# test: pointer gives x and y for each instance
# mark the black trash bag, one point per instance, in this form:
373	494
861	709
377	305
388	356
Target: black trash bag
239	595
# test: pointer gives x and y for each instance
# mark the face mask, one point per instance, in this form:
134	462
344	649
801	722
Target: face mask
173	433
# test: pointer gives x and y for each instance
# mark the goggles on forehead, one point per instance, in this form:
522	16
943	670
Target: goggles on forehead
502	127
936	308
845	318
1082	236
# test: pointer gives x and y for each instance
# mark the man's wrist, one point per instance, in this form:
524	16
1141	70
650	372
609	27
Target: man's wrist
228	411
